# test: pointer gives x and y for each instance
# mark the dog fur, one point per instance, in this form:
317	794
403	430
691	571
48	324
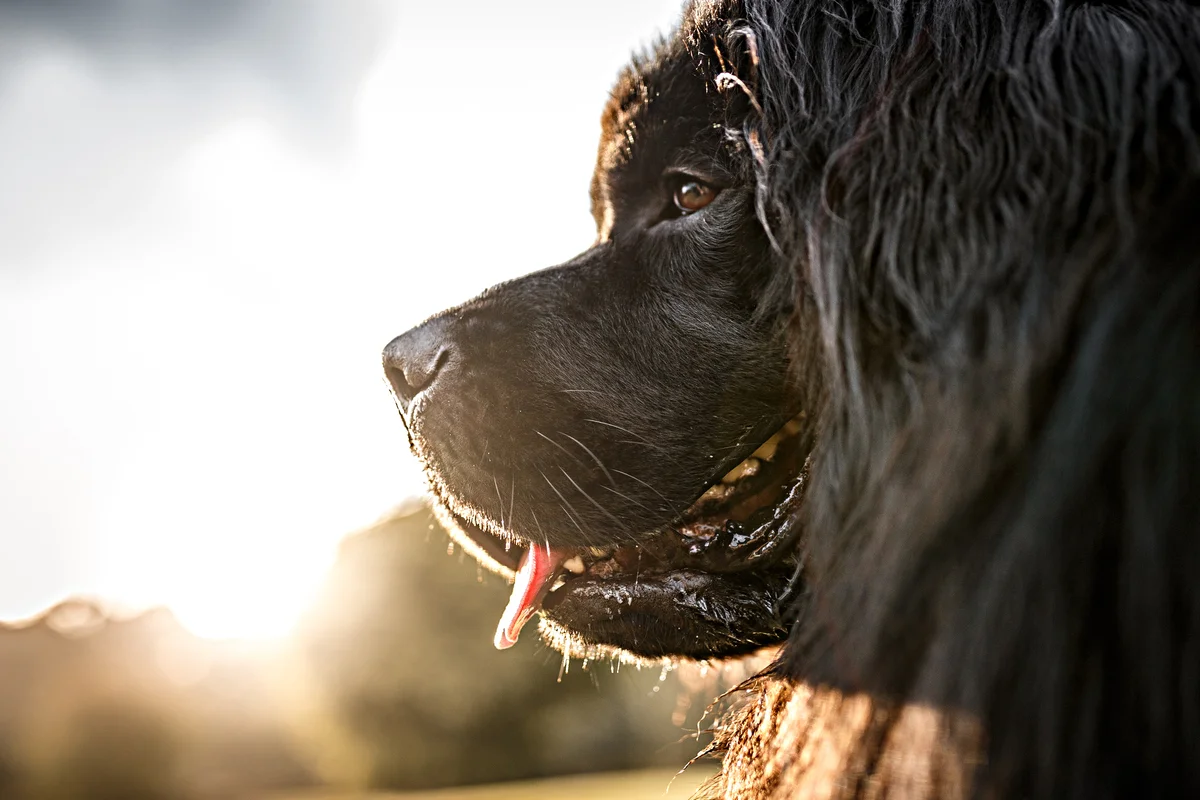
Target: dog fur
994	206
964	237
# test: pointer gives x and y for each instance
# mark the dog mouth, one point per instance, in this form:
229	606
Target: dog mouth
713	582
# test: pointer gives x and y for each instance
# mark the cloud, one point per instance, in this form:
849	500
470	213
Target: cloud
99	97
310	52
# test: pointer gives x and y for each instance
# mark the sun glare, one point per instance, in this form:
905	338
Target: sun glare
237	425
243	560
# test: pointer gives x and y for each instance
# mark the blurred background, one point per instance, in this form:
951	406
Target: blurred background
215	580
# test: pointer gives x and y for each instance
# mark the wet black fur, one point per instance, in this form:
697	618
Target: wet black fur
982	220
996	208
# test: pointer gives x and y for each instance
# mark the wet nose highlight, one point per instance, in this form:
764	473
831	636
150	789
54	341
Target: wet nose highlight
413	360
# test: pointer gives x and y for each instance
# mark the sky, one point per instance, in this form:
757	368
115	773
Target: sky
212	218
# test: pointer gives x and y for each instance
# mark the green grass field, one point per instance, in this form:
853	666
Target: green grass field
644	785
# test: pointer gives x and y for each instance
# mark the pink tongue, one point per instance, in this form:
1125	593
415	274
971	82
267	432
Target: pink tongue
539	567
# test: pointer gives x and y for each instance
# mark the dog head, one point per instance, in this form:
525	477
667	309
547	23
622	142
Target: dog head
625	434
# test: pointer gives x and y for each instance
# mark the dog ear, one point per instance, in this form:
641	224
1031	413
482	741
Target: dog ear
730	50
722	45
727	51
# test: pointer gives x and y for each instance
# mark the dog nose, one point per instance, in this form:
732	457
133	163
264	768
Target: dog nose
413	360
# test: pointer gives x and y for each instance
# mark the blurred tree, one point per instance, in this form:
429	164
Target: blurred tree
93	708
406	690
8	771
116	748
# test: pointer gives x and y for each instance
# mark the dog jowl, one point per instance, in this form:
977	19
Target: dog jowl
624	434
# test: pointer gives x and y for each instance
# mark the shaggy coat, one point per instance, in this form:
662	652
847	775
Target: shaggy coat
995	208
951	249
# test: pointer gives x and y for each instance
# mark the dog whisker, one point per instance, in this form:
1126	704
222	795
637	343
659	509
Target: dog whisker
595	458
650	445
670	505
559	446
618	427
571	517
564	505
537	523
627	498
499	499
620	523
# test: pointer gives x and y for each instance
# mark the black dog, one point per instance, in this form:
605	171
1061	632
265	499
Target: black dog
889	350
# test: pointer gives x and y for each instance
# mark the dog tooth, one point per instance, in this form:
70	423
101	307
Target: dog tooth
748	467
574	565
766	451
714	492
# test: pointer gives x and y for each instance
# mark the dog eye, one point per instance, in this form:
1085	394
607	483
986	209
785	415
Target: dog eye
692	195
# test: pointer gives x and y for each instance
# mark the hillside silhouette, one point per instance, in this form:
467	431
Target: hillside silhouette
390	681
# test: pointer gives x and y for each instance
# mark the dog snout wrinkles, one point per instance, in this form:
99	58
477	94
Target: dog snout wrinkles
413	360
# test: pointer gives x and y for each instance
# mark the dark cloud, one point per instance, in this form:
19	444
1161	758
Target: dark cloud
311	52
99	97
